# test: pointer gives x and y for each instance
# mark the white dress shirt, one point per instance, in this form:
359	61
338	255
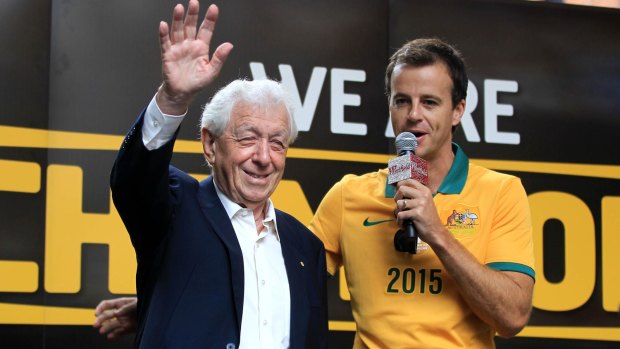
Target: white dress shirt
265	322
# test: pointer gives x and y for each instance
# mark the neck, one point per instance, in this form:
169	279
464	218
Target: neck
438	170
259	212
259	215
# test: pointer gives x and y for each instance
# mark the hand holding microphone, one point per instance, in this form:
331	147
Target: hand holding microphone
407	165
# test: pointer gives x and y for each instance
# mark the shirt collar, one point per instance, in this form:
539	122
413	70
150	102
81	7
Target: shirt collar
455	179
232	208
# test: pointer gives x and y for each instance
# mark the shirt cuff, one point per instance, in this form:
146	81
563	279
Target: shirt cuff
158	128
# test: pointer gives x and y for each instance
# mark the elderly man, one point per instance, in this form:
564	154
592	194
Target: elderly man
218	265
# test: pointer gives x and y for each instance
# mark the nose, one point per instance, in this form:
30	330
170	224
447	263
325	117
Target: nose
261	153
415	113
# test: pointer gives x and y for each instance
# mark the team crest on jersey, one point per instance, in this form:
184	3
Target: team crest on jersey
462	219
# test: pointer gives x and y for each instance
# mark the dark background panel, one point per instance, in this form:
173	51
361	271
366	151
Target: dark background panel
546	343
58	337
24	62
92	66
105	60
590	191
563	57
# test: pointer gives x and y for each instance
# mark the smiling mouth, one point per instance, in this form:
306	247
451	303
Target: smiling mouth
254	175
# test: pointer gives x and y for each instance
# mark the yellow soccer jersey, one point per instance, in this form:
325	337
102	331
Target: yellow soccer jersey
401	300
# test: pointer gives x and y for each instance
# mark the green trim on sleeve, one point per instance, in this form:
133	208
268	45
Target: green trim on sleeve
508	266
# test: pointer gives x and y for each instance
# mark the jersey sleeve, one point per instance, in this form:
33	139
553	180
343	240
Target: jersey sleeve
511	244
327	225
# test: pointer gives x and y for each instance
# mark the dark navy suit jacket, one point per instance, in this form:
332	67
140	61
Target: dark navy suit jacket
190	268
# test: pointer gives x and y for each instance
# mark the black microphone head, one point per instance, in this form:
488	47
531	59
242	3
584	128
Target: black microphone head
406	142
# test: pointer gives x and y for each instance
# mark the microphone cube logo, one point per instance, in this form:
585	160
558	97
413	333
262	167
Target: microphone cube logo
407	166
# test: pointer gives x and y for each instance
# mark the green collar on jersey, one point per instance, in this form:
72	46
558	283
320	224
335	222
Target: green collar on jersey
455	179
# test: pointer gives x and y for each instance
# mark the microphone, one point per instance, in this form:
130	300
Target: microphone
407	165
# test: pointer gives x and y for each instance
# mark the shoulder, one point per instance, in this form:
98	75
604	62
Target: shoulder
491	177
503	186
364	183
179	182
179	175
350	189
366	177
289	222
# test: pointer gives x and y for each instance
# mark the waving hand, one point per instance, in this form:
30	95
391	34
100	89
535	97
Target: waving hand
186	65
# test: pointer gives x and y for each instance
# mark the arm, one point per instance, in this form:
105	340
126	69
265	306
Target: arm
139	178
502	299
116	317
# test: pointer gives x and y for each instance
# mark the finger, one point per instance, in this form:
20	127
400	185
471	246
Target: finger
177	33
409	189
109	326
164	37
402	216
205	33
219	57
99	321
105	316
191	19
117	332
103	305
124	310
412	183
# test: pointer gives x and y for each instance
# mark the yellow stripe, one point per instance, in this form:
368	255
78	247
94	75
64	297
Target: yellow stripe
21	137
19	276
558	168
582	333
20	176
21	314
342	326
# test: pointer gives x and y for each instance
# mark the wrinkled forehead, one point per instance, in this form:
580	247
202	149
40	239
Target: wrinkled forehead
271	116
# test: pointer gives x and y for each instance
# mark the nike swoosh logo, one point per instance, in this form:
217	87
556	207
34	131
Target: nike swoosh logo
370	224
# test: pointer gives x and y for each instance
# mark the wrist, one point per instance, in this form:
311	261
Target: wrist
172	104
440	240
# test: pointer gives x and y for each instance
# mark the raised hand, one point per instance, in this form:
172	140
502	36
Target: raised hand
186	65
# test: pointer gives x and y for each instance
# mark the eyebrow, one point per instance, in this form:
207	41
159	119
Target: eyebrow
253	129
423	96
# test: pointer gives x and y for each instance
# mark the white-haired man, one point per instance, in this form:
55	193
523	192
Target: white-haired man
218	265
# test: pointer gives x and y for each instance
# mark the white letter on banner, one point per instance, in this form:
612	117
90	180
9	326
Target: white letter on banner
492	109
467	122
304	110
340	99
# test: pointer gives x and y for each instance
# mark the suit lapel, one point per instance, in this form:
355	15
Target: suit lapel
216	215
294	263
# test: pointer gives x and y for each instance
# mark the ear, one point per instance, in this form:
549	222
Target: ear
208	145
457	112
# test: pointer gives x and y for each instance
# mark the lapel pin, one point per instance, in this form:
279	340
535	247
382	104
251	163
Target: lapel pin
301	263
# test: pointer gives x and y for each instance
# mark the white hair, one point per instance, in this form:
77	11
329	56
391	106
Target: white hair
264	93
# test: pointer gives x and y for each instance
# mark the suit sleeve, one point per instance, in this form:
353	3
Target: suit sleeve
322	282
140	190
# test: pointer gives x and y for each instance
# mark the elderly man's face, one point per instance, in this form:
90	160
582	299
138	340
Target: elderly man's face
248	158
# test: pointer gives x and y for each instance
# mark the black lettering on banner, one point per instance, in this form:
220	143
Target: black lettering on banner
406	280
